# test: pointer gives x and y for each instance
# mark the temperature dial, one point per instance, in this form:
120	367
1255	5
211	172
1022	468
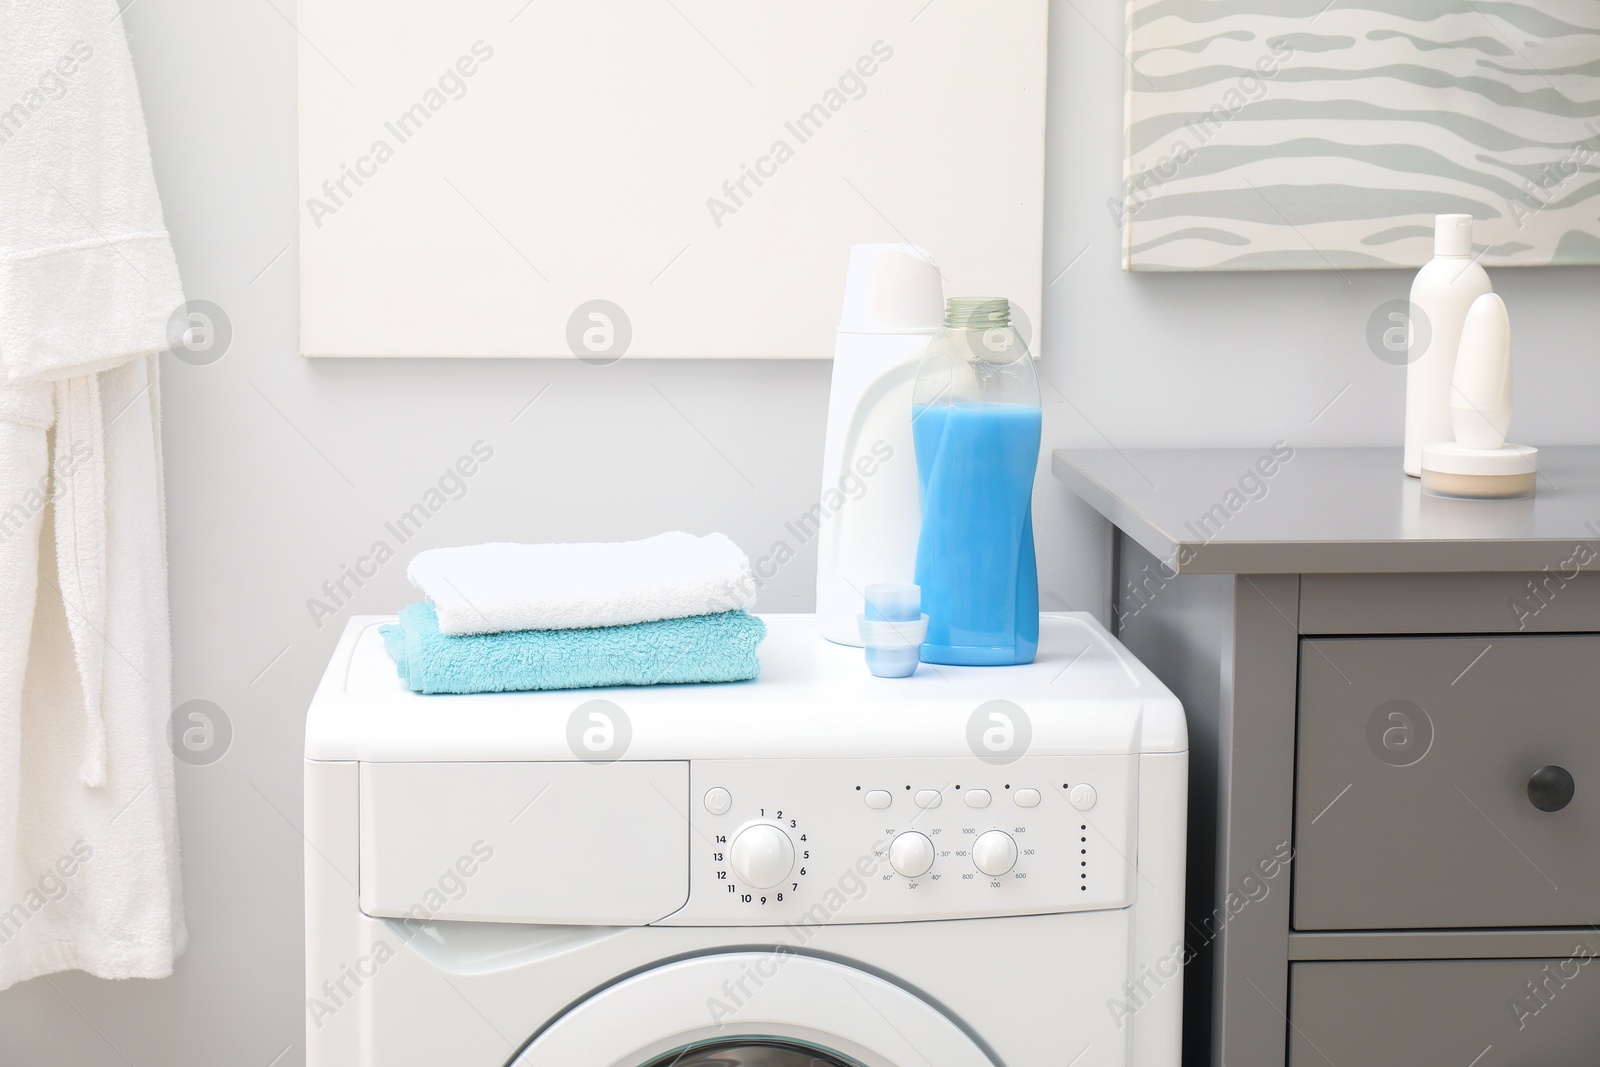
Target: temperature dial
762	856
994	852
911	855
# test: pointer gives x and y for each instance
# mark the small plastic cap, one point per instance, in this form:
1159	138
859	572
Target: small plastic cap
893	662
1452	235
893	648
893	602
891	288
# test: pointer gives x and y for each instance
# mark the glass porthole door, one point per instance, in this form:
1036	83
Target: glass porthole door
748	1052
785	1010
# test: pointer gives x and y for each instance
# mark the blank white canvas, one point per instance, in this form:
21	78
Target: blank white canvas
559	152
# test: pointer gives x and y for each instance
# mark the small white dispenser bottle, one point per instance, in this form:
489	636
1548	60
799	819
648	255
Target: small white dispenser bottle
870	507
1480	389
1477	461
1444	289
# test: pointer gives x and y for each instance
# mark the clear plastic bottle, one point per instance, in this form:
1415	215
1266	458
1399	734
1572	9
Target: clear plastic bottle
976	429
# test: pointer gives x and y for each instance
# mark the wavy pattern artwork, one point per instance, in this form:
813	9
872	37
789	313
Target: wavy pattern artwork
1326	134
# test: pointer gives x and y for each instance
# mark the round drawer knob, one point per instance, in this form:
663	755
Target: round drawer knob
1551	788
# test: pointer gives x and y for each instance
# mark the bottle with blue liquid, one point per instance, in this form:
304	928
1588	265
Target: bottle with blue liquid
976	429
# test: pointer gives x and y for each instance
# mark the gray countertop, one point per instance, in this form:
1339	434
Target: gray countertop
1331	510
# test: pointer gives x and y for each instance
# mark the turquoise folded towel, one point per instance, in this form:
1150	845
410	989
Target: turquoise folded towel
700	648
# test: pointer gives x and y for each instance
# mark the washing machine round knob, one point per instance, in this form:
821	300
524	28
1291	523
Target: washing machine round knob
911	855
762	856
994	852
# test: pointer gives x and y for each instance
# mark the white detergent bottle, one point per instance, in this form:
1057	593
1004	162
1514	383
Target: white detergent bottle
870	508
1442	293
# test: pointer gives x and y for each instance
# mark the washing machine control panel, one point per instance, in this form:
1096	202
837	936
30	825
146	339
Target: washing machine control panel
851	841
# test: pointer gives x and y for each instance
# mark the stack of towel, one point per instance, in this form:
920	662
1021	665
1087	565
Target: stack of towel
507	617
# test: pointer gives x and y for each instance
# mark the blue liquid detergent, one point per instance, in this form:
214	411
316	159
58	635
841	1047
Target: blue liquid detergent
975	560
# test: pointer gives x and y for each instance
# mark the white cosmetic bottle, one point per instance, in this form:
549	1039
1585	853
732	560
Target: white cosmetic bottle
1477	461
1480	390
870	507
1442	293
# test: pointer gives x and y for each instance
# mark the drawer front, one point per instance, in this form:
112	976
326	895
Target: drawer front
1412	801
604	845
1447	1013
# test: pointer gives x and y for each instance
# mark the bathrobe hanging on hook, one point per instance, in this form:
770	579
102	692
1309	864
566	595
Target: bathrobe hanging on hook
89	875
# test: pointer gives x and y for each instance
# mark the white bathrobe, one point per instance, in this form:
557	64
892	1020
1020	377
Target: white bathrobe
89	875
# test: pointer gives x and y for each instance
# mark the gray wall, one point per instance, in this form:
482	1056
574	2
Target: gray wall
281	470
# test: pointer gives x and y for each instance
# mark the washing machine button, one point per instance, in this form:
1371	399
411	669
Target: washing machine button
977	798
928	798
994	852
762	856
879	798
911	854
718	800
1026	798
1083	796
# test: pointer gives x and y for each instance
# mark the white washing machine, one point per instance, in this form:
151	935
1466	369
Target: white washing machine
973	867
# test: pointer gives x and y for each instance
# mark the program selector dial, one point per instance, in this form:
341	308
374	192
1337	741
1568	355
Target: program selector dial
994	852
911	855
762	856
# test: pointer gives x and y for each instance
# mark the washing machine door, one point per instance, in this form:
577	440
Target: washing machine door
745	1052
753	1009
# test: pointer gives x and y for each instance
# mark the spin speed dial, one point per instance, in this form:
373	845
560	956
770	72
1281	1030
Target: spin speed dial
762	856
994	853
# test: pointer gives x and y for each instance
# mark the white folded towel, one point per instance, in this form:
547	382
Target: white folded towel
484	589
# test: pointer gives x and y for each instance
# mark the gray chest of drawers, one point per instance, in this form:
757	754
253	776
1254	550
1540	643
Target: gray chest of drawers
1394	706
